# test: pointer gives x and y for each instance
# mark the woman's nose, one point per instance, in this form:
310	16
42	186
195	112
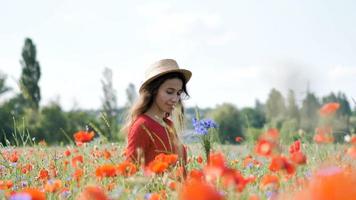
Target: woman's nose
175	98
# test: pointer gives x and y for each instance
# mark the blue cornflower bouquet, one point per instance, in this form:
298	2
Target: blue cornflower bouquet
206	129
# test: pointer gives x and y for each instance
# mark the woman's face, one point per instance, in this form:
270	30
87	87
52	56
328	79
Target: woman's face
168	95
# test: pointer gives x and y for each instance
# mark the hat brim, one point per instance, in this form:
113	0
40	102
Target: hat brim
186	73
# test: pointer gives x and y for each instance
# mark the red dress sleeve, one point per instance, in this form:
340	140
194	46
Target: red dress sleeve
137	141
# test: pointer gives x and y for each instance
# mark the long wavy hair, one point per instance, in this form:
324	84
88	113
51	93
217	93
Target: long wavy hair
147	97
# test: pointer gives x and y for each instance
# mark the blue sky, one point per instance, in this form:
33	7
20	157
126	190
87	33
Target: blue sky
237	50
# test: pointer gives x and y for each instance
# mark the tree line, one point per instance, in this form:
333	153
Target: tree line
22	113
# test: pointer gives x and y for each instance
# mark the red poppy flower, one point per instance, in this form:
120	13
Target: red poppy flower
78	174
196	174
167	158
199	190
93	193
126	169
269	180
77	159
43	174
157	167
67	152
107	154
199	159
351	151
281	163
330	183
107	170
238	139
232	177
83	136
298	158
27	168
264	147
4	185
329	109
295	147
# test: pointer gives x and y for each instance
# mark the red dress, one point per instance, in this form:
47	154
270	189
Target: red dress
148	138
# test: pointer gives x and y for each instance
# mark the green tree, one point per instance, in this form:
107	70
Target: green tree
251	117
275	108
309	113
109	107
3	87
228	118
30	75
53	122
131	95
292	110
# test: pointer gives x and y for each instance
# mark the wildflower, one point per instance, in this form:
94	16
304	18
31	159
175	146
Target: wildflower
64	193
238	139
43	174
196	174
67	152
83	136
4	185
107	154
199	190
77	159
232	177
269	180
351	151
105	171
92	193
264	147
29	193
27	168
199	159
168	158
281	163
53	185
330	183
172	185
126	169
298	158
157	166
153	196
202	126
329	109
295	147
14	157
296	155
323	135
78	173
162	162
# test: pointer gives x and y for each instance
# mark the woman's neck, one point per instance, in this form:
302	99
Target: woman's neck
155	112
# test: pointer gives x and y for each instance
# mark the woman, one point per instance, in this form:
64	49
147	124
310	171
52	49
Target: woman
150	128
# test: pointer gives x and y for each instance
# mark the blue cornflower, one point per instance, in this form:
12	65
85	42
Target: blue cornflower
202	126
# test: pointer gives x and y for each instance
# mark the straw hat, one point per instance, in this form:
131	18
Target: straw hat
162	67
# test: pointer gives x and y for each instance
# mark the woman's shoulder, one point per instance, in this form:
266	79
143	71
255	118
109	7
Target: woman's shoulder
140	120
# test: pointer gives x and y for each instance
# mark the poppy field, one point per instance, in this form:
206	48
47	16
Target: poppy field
94	169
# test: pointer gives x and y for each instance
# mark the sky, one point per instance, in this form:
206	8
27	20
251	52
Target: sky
237	50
